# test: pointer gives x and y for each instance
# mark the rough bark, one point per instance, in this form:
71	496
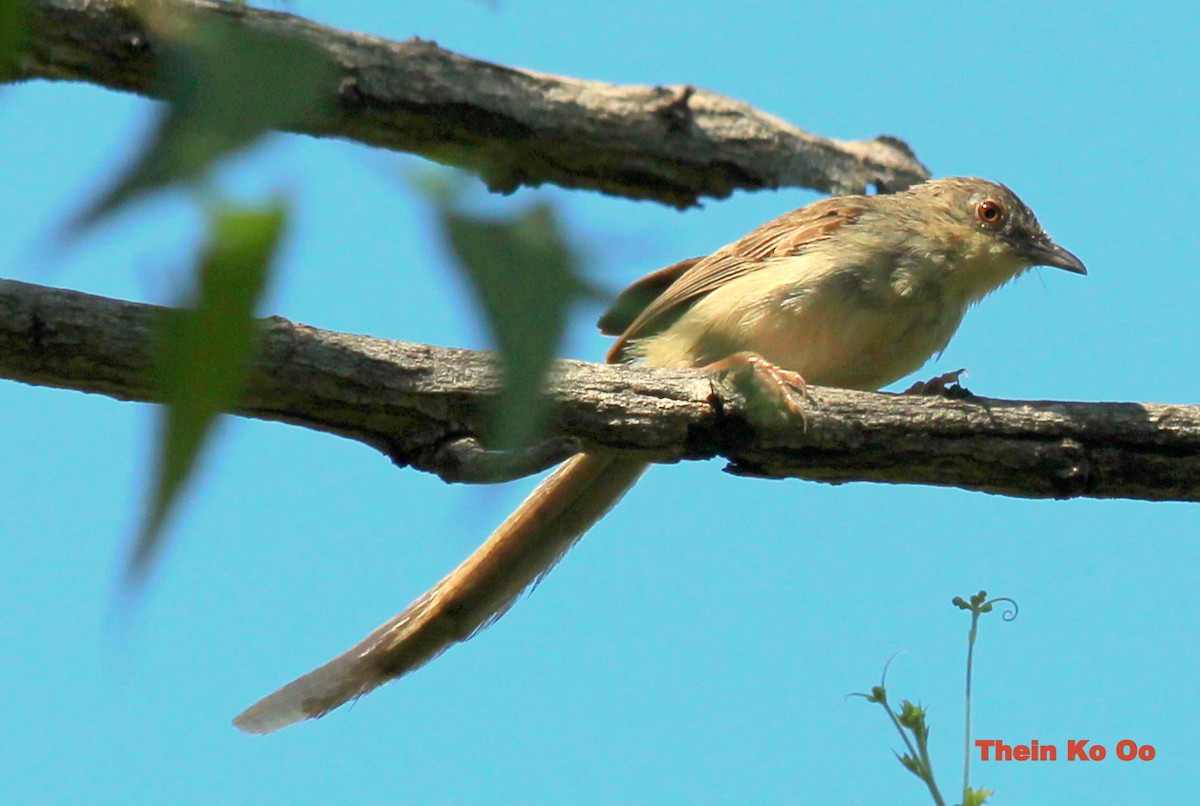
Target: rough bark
673	144
424	406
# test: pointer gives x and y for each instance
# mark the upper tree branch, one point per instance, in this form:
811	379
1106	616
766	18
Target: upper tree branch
514	127
423	406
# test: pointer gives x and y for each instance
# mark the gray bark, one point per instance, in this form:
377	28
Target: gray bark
513	127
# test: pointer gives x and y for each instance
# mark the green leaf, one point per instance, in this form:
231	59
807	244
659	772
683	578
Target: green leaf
13	16
525	279
205	352
225	84
976	797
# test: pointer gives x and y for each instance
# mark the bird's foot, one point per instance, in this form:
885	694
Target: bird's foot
944	385
754	374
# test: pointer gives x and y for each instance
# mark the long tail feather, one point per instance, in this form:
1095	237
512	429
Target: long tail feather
480	590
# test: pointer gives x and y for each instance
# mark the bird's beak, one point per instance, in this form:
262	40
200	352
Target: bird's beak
1048	253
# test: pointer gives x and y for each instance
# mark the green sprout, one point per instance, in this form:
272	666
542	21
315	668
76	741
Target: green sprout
910	721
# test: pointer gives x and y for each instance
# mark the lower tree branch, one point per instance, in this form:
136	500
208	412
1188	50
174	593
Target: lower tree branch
425	406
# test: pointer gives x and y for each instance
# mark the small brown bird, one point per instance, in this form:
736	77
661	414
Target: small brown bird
855	292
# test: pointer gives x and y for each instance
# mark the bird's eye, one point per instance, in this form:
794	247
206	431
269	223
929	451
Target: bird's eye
990	212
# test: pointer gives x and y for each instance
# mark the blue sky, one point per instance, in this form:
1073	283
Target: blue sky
698	645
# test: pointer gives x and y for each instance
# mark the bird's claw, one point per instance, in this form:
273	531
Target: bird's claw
785	388
944	385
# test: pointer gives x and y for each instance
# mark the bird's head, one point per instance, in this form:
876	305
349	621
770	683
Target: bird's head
995	235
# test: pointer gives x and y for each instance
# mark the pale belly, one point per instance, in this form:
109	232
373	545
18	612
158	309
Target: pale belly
829	336
853	348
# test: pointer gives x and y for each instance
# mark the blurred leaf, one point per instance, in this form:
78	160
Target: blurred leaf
226	85
525	279
444	188
13	15
205	352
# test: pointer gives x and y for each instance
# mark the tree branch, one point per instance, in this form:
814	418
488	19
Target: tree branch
514	127
424	406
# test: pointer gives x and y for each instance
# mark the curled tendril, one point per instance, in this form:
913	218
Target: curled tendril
980	604
1009	614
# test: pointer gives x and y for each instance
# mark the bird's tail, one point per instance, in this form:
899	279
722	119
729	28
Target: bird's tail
472	596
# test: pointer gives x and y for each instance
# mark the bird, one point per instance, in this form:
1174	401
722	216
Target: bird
853	291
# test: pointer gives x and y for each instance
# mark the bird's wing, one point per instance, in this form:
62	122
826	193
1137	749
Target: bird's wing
689	280
637	297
